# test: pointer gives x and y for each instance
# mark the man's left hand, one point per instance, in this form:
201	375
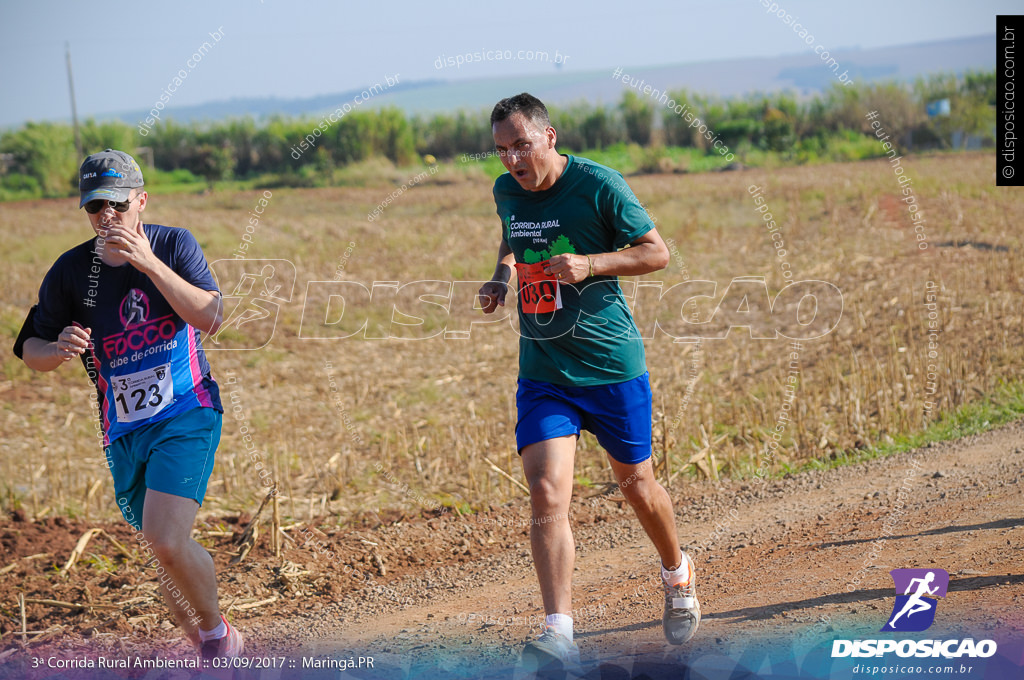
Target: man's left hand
568	267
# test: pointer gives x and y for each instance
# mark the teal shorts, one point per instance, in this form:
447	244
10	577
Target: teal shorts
174	456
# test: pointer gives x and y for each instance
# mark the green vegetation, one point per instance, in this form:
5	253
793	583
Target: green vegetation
639	135
1002	406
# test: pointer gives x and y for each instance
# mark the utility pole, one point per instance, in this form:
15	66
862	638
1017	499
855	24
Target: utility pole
74	110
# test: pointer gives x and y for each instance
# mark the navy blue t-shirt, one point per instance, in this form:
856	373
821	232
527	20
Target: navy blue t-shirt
146	362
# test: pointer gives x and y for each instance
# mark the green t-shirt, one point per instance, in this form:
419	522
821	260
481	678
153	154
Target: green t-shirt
592	339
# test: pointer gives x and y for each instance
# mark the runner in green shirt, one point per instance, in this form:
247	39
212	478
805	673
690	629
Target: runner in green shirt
570	227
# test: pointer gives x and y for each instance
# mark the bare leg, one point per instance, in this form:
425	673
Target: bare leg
167	524
548	466
652	506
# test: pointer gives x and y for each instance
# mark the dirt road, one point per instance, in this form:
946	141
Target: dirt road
784	568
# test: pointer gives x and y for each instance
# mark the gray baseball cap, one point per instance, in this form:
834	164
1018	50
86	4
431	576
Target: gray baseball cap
109	175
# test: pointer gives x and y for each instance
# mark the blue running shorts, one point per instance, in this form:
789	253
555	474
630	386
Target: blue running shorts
618	414
174	455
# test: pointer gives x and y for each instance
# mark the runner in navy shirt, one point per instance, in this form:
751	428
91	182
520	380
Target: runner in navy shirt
147	362
131	304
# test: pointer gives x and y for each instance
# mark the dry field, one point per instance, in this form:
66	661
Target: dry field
357	426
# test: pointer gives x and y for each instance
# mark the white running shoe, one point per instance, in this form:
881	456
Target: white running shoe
682	610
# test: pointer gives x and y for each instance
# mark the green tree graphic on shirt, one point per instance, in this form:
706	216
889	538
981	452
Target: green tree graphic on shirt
560	246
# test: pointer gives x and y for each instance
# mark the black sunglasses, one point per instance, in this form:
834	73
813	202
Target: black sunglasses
93	207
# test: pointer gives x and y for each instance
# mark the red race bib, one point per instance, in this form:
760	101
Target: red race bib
538	292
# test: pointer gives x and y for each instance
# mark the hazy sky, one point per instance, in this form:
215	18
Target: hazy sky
125	53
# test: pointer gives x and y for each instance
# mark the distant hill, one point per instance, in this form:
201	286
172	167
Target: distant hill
803	73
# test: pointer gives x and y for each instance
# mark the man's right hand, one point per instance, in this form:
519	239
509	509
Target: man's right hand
492	294
43	355
72	342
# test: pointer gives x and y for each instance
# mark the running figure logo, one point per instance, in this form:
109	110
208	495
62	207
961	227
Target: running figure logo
915	611
252	306
134	308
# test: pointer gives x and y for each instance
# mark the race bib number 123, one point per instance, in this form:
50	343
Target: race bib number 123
142	394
